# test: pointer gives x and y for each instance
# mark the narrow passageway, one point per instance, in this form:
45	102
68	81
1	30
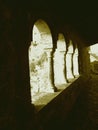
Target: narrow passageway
84	115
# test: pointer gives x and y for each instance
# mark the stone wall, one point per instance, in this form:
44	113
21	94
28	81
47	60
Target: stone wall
55	113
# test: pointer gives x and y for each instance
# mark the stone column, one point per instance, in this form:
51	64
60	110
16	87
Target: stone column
64	81
59	67
50	85
69	66
75	63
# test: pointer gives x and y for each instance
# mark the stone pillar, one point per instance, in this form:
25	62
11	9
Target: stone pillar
64	81
75	63
59	67
50	85
69	66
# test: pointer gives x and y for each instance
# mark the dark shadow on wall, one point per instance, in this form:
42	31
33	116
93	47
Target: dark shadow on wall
94	67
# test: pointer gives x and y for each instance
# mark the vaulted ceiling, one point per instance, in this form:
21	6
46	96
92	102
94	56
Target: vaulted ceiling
81	15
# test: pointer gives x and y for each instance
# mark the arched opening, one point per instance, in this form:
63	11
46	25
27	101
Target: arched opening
75	62
69	61
59	61
40	58
93	51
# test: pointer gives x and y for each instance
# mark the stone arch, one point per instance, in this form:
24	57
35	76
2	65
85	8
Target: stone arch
59	61
40	58
41	34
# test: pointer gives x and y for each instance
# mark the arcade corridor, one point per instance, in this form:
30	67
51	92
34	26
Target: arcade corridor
45	48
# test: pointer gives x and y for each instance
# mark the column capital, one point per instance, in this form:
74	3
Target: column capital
48	49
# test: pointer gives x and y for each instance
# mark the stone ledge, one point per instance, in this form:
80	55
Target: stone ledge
41	100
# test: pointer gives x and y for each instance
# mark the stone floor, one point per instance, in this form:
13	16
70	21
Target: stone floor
44	97
41	99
